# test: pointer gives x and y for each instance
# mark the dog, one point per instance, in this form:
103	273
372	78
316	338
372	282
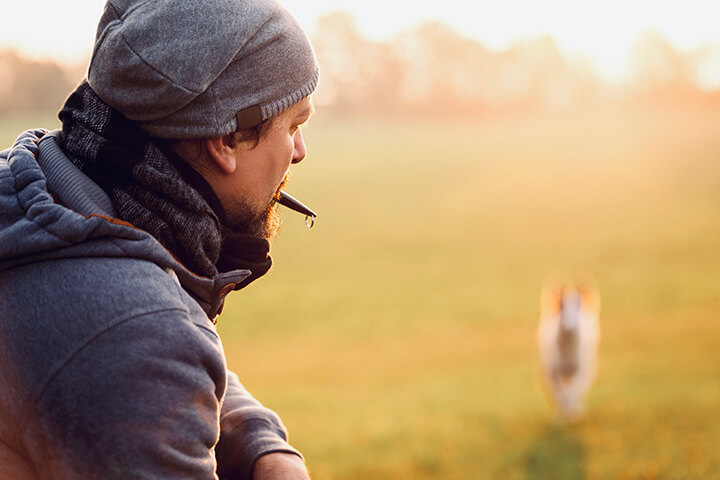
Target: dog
568	338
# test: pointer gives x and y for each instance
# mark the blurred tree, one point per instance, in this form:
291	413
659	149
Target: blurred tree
659	72
357	74
706	66
433	69
444	71
31	85
537	74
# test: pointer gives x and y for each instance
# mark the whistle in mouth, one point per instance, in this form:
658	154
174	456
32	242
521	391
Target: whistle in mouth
287	200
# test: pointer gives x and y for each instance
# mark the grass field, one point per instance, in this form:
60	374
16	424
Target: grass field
396	338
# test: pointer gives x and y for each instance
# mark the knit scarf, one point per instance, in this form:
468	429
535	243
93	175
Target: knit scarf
155	190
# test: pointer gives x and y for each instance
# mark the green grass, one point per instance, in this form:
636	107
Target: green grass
396	338
12	124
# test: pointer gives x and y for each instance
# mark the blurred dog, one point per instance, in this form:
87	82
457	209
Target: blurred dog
568	337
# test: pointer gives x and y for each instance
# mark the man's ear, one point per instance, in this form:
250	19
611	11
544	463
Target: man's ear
222	153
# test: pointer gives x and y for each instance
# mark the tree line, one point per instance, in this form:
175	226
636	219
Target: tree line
432	69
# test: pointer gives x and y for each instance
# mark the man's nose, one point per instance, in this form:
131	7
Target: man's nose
300	150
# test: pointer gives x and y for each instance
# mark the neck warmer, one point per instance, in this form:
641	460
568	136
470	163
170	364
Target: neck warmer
155	190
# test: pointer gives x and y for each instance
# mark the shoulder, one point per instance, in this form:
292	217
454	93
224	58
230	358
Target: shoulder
101	291
50	311
128	387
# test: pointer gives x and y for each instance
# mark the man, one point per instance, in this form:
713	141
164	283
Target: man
122	234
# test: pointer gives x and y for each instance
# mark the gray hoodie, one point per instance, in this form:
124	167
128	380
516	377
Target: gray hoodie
110	363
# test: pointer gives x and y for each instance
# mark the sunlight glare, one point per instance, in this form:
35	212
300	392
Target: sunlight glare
600	33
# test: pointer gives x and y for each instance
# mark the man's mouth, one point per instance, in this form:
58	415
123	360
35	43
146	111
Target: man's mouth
276	197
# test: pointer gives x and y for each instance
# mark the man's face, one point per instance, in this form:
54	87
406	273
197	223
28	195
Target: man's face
263	169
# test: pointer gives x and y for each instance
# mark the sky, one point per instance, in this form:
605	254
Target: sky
601	31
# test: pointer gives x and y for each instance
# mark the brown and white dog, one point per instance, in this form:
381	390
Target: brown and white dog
568	337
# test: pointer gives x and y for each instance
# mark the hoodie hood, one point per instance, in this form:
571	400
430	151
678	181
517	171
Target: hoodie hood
50	210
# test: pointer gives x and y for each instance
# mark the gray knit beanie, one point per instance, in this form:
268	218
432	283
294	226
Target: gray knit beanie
200	68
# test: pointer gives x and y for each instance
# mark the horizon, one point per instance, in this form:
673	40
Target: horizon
497	27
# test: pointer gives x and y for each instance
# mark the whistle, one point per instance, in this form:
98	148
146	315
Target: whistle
287	200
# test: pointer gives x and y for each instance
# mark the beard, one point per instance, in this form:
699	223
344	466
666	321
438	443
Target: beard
242	218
